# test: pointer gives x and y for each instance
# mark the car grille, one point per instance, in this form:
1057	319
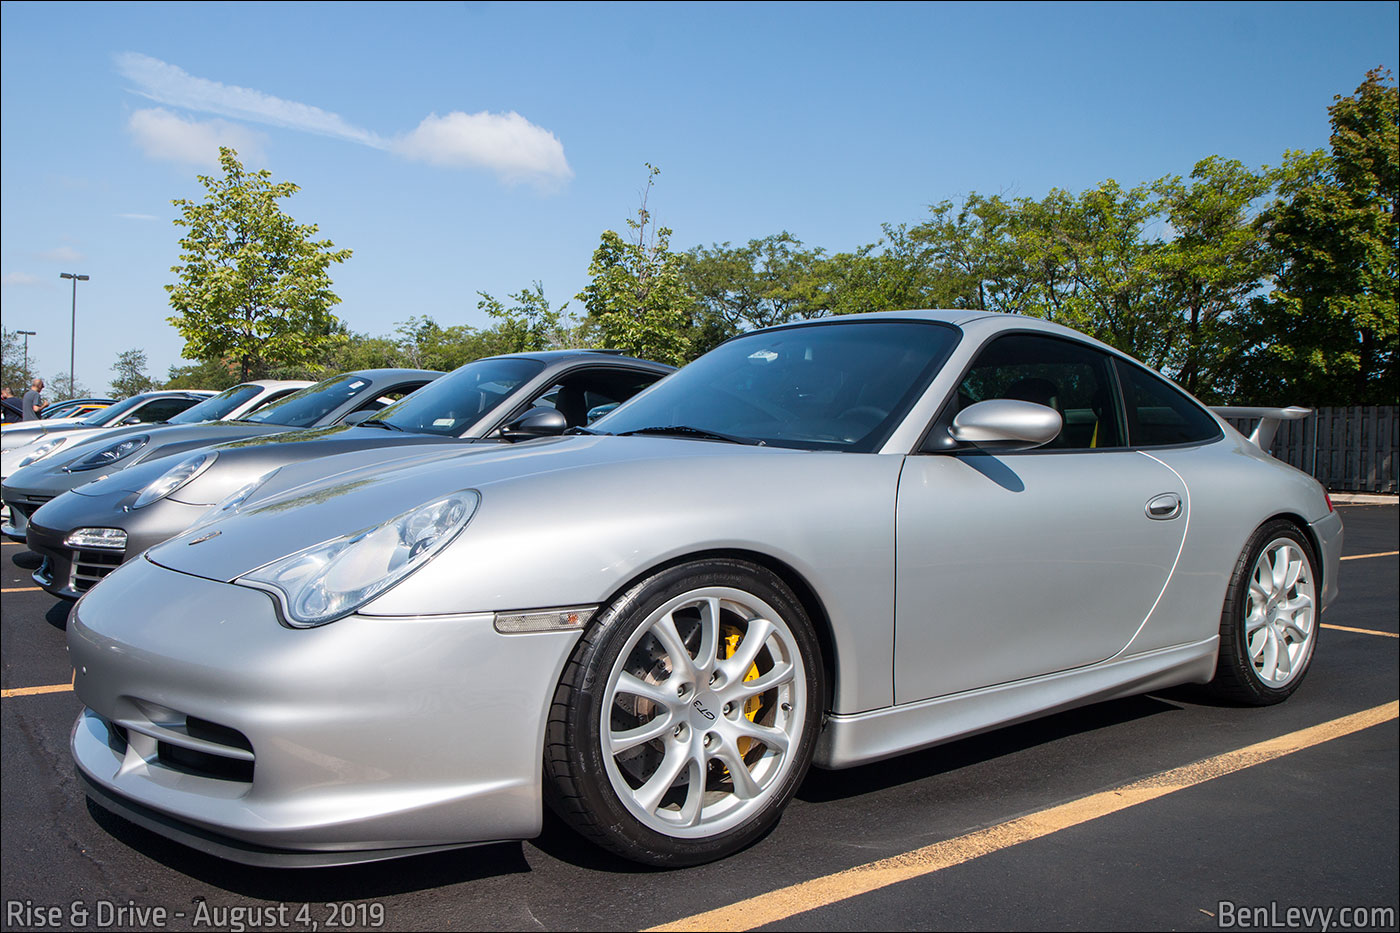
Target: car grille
28	505
90	566
199	748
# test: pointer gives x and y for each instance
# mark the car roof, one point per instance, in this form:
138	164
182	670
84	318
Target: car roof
569	356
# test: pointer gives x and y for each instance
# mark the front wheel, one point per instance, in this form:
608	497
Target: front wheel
1269	624
687	715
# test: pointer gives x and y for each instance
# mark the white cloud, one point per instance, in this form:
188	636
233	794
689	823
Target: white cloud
22	278
165	135
506	143
60	254
138	217
170	84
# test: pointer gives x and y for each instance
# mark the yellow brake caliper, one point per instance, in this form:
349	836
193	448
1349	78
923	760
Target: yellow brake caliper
732	636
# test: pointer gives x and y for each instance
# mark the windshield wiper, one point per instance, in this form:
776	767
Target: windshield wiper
685	430
580	429
381	424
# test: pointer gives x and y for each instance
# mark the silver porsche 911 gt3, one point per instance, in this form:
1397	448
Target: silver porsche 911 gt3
829	542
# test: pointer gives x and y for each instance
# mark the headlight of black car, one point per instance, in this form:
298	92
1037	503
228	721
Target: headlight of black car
109	455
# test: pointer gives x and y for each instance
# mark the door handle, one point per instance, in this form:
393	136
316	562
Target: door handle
1163	507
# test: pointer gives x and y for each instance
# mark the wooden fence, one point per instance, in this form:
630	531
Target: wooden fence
1348	449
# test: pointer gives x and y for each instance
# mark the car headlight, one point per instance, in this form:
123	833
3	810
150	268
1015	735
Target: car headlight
108	455
326	581
173	478
43	449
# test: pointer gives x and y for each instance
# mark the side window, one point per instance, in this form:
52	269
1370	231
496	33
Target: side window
586	396
1160	415
1069	377
163	409
273	397
385	399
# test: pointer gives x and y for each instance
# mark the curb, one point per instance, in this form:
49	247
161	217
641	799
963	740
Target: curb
1361	498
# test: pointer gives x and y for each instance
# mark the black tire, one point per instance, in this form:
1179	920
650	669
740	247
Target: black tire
1236	678
581	780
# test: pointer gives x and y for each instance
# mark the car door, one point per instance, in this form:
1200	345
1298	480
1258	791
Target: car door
1011	565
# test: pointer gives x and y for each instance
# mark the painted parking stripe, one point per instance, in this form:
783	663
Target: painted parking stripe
862	879
1377	554
35	691
1361	631
21	589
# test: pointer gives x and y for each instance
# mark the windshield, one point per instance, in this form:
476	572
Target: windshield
460	399
113	413
213	409
304	408
831	386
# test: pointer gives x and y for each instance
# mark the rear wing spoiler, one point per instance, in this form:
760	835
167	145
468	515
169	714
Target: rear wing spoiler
1269	420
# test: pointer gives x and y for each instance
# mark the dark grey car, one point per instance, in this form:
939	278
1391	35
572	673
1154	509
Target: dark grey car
84	534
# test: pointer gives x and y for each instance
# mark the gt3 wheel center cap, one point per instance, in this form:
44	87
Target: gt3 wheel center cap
704	710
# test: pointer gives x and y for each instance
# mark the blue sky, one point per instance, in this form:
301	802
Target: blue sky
459	148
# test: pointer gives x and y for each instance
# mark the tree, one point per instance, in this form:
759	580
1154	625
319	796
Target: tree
1209	270
1327	333
210	374
253	284
637	300
130	368
16	371
530	324
64	387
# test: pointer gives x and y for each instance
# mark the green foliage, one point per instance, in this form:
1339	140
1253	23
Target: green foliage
636	299
131	378
530	324
253	284
1327	333
64	387
209	374
15	371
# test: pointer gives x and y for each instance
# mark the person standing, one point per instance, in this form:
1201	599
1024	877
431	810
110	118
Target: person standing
10	404
33	403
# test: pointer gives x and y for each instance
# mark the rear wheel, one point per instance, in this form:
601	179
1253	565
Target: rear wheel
1269	624
687	716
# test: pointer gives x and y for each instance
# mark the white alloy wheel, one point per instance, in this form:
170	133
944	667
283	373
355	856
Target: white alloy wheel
1279	613
703	706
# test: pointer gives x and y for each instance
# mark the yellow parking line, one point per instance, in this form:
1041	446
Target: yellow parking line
1377	554
20	589
819	892
34	691
1360	631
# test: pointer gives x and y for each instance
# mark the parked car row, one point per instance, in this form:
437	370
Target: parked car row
652	603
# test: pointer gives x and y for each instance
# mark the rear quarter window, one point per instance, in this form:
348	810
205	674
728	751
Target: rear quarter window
1159	414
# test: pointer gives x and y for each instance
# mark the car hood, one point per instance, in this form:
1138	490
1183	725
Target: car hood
365	493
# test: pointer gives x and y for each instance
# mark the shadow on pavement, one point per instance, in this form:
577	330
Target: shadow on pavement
821	786
352	882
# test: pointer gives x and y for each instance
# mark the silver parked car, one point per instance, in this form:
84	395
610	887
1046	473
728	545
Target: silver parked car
143	408
231	404
84	535
829	542
345	396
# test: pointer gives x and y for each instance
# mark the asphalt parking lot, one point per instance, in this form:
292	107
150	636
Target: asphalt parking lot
1158	812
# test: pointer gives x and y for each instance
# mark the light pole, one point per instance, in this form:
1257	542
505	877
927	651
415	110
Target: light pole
73	340
26	334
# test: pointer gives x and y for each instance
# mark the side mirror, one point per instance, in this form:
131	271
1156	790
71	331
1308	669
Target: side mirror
1006	424
355	417
537	422
132	420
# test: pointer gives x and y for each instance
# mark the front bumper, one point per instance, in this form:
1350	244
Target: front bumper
21	506
69	572
362	739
